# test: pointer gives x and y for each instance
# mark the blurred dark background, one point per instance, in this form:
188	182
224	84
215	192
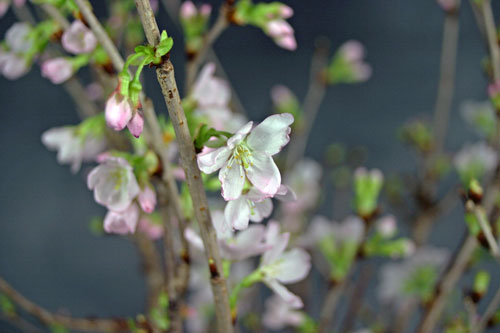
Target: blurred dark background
46	249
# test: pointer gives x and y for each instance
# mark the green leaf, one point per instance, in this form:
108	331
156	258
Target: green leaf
164	47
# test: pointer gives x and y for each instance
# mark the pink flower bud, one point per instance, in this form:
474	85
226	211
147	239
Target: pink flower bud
118	111
147	199
153	230
188	10
287	42
136	124
362	71
122	223
278	28
353	51
386	226
4	6
205	10
286	12
57	70
78	38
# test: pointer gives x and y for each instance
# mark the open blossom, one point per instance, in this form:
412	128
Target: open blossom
57	70
114	184
78	38
244	244
119	113
252	206
412	278
71	147
280	267
278	314
123	222
248	155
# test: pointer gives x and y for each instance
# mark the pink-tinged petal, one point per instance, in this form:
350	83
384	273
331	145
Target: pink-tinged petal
285	194
287	42
247	243
278	314
19	3
279	28
255	195
222	227
4	6
118	112
272	232
279	246
210	91
237	212
261	210
240	135
272	134
122	223
17	37
254	234
13	66
205	10
193	238
232	178
213	160
264	174
292	266
286	11
147	199
188	10
353	51
136	124
57	70
293	300
78	38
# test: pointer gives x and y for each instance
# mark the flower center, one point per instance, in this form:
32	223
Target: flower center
242	155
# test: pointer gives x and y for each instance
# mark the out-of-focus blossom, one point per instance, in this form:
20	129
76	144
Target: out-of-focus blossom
480	116
194	22
4	5
147	199
94	91
244	244
57	70
304	179
278	314
114	184
78	38
123	222
17	37
320	228
448	5
13	66
280	267
212	96
474	160
386	226
347	65
13	61
248	154
150	227
252	206
413	278
72	146
188	10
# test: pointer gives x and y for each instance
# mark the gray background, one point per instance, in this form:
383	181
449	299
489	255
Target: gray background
46	249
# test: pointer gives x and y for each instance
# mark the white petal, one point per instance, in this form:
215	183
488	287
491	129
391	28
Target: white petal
213	160
237	213
232	178
193	238
293	300
272	134
292	266
264	174
261	210
222	227
122	222
254	234
279	245
240	135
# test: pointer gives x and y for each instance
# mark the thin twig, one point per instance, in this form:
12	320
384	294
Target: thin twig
49	318
491	34
166	78
330	305
217	28
486	228
490	311
312	102
356	299
471	309
447	76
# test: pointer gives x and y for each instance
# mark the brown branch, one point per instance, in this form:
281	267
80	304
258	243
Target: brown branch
330	305
49	318
312	102
447	77
166	78
489	313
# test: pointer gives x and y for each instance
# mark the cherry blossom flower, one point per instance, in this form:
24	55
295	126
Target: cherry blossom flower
17	37
119	113
123	222
412	278
474	160
114	184
282	33
480	116
278	314
386	226
305	179
78	38
280	267
12	66
13	62
353	53
251	206
351	229
73	148
244	244
57	70
248	155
